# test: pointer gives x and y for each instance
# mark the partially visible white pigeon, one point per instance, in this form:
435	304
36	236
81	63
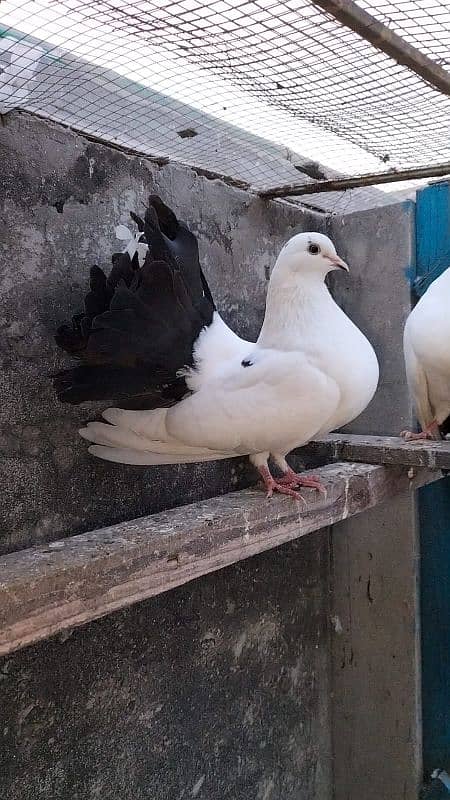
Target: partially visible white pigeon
426	349
311	371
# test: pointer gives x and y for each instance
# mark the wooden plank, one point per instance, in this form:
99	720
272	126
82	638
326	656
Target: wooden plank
382	37
387	450
46	589
299	189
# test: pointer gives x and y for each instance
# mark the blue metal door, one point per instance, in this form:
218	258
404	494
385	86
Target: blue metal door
432	258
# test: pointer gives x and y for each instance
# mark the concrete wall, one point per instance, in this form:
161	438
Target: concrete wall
374	557
380	248
218	689
236	685
51	487
222	688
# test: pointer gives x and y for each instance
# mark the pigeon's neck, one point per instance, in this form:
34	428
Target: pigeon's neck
293	312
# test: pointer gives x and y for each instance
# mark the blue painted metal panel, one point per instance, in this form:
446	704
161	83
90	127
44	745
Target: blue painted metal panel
432	258
434	516
432	234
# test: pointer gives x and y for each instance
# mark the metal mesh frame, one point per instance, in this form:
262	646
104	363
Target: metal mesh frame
264	80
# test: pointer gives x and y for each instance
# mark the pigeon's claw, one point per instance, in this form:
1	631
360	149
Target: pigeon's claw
272	485
294	479
278	487
430	432
410	436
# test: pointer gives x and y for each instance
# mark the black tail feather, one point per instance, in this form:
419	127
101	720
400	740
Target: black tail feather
139	222
140	323
127	388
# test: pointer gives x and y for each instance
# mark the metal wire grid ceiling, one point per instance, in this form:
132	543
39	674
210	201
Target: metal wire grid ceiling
253	90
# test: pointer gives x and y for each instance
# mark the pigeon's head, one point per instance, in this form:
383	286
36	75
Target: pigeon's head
309	255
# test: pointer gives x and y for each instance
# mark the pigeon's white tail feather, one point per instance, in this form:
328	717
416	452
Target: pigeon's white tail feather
141	437
113	436
149	424
121	455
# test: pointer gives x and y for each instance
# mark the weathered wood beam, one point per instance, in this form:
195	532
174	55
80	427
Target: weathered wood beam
348	13
355	182
53	587
387	450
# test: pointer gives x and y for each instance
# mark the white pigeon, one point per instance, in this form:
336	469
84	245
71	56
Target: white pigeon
311	371
426	349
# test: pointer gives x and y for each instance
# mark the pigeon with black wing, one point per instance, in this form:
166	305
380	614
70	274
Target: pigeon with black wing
151	338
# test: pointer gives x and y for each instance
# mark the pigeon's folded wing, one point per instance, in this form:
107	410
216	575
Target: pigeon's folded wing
274	402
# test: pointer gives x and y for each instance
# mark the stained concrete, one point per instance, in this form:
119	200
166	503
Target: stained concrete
218	689
375	557
162	126
61	199
380	249
228	687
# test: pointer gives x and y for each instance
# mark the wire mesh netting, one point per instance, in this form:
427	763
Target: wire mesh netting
258	91
423	23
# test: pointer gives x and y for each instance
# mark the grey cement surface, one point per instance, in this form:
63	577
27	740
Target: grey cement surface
375	557
219	689
51	487
380	249
228	677
216	690
376	655
102	103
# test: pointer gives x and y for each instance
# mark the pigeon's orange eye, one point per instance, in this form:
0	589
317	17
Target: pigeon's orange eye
314	249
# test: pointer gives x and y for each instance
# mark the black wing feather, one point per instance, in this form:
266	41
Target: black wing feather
140	324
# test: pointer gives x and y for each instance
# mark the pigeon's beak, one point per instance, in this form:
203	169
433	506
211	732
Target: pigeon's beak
337	262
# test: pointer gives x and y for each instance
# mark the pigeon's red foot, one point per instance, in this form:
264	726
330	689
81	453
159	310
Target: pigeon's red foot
294	479
410	436
430	432
271	485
